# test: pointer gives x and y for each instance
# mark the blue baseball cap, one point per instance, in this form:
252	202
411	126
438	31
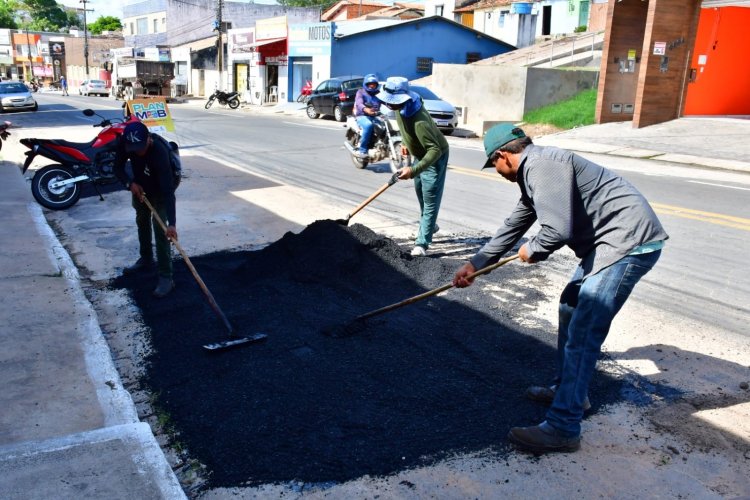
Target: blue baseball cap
395	90
135	136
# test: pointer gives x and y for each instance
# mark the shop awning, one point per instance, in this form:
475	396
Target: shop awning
264	42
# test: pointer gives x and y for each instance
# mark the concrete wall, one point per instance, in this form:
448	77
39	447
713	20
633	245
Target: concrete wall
504	93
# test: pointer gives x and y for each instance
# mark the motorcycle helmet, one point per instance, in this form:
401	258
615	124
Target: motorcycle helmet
367	84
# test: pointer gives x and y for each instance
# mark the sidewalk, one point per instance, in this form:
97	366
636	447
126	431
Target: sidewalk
68	428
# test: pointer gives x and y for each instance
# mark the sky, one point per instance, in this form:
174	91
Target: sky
101	8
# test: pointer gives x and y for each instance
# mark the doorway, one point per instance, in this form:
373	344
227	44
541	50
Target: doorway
546	20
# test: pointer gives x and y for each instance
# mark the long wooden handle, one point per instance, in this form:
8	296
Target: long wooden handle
436	291
206	292
391	182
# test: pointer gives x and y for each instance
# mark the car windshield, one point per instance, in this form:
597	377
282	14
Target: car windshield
13	88
424	92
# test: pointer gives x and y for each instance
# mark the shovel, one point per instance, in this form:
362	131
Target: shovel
358	323
233	340
393	180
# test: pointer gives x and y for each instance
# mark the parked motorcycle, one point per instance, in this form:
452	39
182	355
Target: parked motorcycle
385	143
58	186
305	92
4	134
231	99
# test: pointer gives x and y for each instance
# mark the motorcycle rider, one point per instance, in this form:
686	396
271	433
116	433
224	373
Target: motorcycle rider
426	143
152	177
366	108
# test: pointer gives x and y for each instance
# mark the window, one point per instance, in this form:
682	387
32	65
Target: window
439	10
180	68
132	29
156	25
141	26
501	19
424	65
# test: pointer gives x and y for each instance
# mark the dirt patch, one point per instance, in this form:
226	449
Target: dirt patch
441	377
537	130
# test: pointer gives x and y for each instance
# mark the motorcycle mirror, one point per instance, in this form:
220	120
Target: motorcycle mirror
88	112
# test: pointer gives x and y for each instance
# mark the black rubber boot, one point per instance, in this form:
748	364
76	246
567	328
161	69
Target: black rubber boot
543	438
141	264
164	286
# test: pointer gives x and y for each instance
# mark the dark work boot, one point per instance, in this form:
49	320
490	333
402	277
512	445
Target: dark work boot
164	286
141	264
545	395
543	438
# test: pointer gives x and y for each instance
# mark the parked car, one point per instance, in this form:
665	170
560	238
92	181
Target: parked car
441	111
334	96
97	87
16	95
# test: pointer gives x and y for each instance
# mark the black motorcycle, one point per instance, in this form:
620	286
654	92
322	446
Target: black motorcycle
231	99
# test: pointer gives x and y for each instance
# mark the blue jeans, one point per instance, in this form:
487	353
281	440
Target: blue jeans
366	123
429	185
587	308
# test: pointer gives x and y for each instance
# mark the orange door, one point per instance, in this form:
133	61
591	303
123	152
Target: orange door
720	64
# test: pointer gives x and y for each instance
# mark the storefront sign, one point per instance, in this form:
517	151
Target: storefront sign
241	40
660	48
281	60
274	27
153	112
310	39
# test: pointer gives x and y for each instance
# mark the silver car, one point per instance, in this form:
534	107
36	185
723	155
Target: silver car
442	112
16	95
97	87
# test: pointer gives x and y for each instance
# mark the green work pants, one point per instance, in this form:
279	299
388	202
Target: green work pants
146	226
429	185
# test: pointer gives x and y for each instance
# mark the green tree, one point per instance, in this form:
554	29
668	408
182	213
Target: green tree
46	15
105	23
323	4
8	10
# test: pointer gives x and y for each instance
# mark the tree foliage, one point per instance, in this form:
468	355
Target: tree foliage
105	23
323	4
8	14
46	15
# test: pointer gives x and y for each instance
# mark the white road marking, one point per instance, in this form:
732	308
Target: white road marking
720	185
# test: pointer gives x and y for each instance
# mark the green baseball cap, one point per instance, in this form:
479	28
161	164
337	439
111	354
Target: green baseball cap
497	137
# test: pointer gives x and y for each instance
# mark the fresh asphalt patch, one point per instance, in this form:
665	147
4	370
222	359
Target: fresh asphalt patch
437	378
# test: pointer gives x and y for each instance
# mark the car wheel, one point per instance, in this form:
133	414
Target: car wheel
36	106
446	131
2	109
338	115
311	113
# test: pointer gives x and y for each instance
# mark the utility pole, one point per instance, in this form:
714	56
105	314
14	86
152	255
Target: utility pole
85	37
28	49
219	40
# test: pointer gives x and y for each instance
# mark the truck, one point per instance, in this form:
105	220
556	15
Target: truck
133	77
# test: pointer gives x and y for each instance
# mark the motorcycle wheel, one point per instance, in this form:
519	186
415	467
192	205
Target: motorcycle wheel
210	102
55	198
358	162
234	103
398	162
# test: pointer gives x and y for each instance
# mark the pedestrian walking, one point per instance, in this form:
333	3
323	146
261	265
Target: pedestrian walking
613	230
64	85
152	177
421	137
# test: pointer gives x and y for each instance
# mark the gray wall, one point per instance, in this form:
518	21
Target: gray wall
194	20
504	93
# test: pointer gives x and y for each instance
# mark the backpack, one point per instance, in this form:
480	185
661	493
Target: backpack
174	160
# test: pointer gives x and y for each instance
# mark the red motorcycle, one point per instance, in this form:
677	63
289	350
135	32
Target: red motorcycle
4	134
58	186
305	92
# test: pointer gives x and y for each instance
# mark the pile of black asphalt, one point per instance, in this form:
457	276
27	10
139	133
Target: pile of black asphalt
435	379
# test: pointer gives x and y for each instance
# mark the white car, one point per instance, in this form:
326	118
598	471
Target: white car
16	95
97	87
442	112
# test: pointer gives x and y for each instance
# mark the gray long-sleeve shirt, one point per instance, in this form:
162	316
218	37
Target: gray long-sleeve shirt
592	210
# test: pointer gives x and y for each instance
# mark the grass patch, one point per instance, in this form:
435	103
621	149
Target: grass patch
574	112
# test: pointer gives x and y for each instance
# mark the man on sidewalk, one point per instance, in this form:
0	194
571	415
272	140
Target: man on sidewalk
426	143
152	178
610	227
64	85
